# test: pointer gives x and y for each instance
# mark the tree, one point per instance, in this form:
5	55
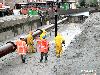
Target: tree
93	3
82	3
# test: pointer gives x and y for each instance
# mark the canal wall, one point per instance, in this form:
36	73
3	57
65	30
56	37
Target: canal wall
12	20
11	26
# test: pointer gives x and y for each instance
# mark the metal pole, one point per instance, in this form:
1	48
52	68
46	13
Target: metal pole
56	18
55	22
11	47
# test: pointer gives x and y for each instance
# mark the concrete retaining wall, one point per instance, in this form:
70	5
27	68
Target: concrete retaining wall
12	20
13	26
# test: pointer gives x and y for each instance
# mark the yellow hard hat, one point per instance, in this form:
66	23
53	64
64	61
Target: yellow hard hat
44	31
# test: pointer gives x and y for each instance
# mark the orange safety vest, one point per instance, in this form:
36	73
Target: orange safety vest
44	45
38	43
21	47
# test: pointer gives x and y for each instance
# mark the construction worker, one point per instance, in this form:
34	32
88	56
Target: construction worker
38	43
43	34
44	46
58	43
30	42
21	48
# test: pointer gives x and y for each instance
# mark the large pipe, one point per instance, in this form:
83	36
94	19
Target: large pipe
8	48
11	47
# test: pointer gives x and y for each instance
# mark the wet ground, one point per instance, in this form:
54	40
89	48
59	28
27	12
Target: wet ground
11	63
81	56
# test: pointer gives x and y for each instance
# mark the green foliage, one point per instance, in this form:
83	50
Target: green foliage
78	6
82	3
91	3
95	2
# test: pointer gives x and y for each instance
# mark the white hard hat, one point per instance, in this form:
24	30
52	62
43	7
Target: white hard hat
21	36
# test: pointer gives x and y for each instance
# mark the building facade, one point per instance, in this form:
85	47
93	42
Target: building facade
11	3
